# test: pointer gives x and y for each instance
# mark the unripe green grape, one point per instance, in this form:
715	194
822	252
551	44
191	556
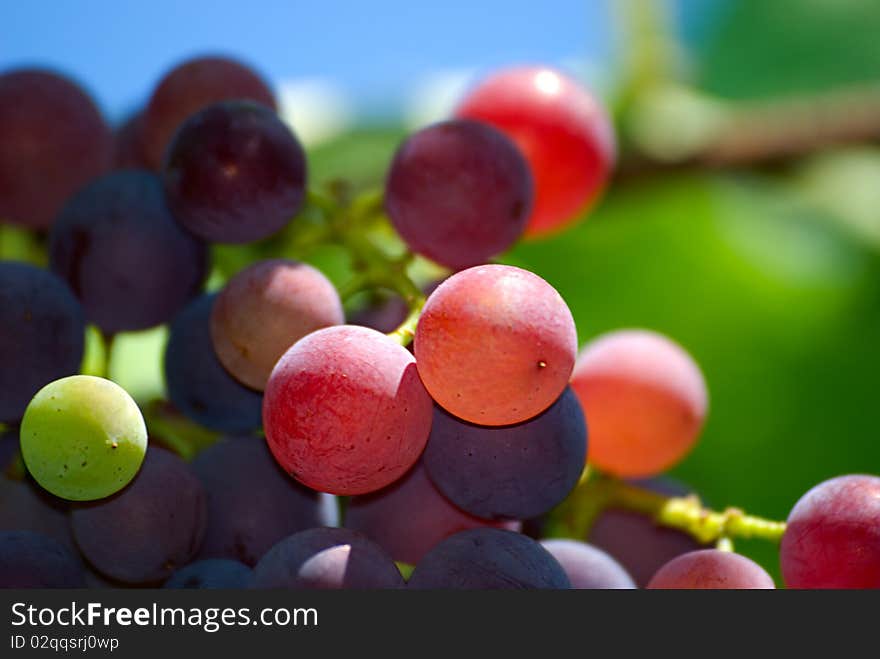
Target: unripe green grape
83	438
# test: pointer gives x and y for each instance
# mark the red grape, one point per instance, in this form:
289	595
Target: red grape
234	173
711	569
645	400
459	192
53	140
264	310
588	567
833	536
345	412
495	345
127	151
188	88
563	131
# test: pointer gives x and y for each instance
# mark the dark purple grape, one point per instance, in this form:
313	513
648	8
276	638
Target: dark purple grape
24	506
509	472
124	256
31	560
588	567
149	529
235	173
459	193
327	559
189	87
211	574
42	330
409	517
711	569
53	141
633	539
488	559
198	385
252	503
832	539
127	151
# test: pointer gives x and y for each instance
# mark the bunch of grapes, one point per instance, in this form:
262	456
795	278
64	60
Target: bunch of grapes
454	438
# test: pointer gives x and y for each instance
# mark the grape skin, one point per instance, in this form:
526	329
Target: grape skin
198	385
24	506
832	539
641	545
54	141
211	574
265	309
410	516
495	345
83	438
42	334
31	560
711	569
252	503
234	173
509	472
588	567
459	193
144	533
345	412
488	559
189	87
645	398
564	133
327	559
127	151
123	254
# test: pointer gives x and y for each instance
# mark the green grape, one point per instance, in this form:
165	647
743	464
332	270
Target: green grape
83	438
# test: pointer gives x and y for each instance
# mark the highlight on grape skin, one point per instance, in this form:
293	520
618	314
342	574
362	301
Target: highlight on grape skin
562	130
588	567
711	569
265	309
345	412
459	193
645	399
495	345
833	535
83	438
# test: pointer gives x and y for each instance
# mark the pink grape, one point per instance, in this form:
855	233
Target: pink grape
711	569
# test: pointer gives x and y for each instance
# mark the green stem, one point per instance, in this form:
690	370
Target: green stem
407	329
574	516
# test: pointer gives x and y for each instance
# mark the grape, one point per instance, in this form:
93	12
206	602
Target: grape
563	132
458	192
235	173
645	398
26	507
123	254
488	559
211	574
54	140
198	385
327	559
636	541
188	88
588	567
833	536
31	560
495	345
148	530
264	310
509	472
252	503
383	314
345	411
42	334
83	438
127	151
410	516
711	569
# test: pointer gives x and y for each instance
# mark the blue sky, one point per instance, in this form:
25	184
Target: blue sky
375	50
